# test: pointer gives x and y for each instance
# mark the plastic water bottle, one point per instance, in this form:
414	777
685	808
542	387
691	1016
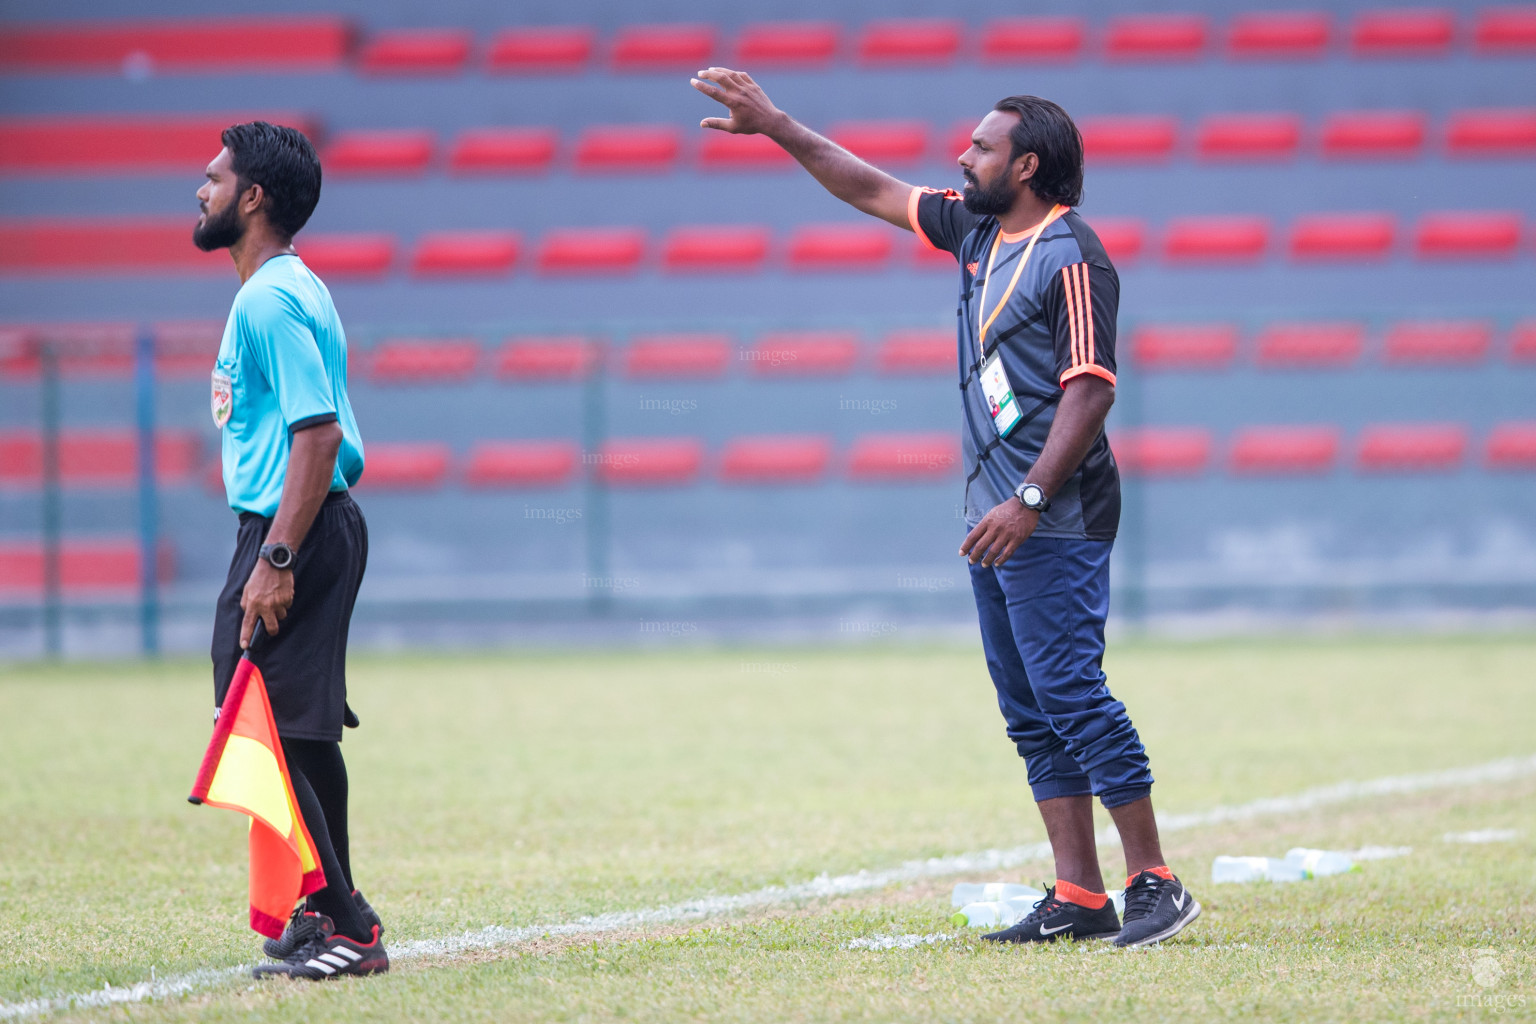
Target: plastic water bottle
997	913
990	892
1255	869
1317	863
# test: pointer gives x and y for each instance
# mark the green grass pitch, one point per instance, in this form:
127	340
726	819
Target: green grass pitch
532	789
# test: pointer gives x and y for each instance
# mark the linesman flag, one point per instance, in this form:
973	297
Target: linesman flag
244	771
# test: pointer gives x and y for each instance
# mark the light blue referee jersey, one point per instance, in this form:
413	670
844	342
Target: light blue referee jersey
282	367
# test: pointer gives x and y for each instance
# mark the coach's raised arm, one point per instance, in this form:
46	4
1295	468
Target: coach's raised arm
865	187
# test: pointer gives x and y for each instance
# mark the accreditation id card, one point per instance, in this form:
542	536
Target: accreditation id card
1000	400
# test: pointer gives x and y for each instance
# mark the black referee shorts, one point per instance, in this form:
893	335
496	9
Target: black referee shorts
305	665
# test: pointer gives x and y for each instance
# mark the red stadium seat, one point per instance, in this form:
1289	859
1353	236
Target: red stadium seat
1309	346
86	567
677	355
1156	37
840	247
1272	35
147	145
541	50
712	248
1184	346
104	245
1343	236
416	52
1274	451
898	457
1134	138
184	348
360	255
97	458
1522	342
405	466
181	348
1121	237
775	459
591	250
423	360
906	41
544	359
1402	32
1467	235
1505	30
502	151
1373	135
1216	239
1492	133
521	464
628	148
404	152
1410	447
1512	446
1032	40
465	254
803	354
918	351
722	151
684	48
1249	137
883	142
263	44
1463	342
649	461
1163	451
797	44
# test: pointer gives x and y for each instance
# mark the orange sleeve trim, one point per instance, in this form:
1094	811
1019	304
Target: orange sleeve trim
917	193
1093	368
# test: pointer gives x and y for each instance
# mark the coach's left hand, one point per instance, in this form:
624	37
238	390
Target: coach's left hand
268	595
999	534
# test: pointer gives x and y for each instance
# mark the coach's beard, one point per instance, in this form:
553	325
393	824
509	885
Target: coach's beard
992	201
218	232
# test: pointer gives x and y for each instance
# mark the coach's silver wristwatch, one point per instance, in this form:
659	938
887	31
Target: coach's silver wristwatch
278	556
1032	497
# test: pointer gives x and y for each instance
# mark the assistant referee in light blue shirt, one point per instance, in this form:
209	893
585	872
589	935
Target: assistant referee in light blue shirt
291	450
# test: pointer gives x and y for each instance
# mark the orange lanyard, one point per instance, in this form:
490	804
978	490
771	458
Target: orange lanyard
981	334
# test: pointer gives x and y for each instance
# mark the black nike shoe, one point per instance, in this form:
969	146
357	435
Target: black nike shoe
327	955
301	928
1156	908
1054	919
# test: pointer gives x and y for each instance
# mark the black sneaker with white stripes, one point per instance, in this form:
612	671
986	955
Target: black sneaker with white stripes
1156	908
328	955
300	928
1054	919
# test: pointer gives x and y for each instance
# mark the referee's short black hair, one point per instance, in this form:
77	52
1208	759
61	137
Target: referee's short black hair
282	161
1047	131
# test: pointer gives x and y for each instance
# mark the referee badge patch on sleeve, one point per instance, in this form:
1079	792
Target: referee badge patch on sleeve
222	399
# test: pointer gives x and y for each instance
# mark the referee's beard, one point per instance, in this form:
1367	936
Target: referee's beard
218	231
993	201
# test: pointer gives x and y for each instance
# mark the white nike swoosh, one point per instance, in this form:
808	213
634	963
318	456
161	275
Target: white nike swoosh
1178	904
1052	931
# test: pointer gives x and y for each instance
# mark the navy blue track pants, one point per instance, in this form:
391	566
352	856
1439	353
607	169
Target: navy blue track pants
1042	628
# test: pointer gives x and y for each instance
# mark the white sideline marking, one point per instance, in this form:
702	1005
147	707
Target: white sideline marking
1484	835
817	888
908	941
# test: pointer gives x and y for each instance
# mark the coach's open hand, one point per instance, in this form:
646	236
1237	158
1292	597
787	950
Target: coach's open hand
1000	533
268	595
752	113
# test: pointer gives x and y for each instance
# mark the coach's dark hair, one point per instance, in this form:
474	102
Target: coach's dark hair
1047	131
282	161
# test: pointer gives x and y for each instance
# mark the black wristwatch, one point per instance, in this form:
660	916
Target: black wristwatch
278	556
1032	497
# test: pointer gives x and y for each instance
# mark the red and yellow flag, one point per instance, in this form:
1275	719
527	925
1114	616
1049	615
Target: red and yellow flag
244	771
